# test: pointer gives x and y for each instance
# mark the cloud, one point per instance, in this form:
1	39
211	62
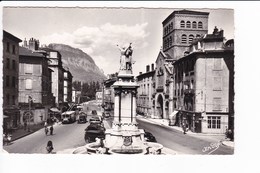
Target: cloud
101	41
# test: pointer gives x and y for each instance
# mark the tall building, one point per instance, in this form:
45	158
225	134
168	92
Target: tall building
10	81
145	92
108	92
67	85
179	30
203	84
55	64
35	97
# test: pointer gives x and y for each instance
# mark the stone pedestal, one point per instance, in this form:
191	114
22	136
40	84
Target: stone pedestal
125	135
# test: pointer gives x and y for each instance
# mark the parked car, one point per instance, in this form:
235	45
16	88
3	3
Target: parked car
94	131
96	120
82	118
149	137
94	112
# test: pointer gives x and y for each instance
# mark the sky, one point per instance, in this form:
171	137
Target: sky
97	31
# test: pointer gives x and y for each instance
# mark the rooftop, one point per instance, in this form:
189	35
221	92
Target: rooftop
27	52
7	34
184	12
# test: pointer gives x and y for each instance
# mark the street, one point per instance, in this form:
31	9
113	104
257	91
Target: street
184	143
72	135
65	136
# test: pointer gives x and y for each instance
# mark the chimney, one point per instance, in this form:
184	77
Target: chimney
215	32
33	44
147	68
152	67
24	43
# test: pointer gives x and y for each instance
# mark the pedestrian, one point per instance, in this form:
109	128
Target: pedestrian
184	128
51	130
45	124
46	130
25	125
49	147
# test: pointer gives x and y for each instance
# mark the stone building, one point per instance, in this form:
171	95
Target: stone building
35	96
67	85
145	92
203	84
55	64
10	71
108	92
179	30
163	86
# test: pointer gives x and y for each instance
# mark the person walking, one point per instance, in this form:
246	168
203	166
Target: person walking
51	130
45	124
25	125
184	128
49	147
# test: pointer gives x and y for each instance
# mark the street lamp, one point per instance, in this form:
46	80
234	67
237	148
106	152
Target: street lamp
29	115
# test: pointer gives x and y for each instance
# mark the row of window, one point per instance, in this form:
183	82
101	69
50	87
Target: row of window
8	64
188	39
167	42
168	28
8	79
214	122
189	24
183	24
8	48
9	101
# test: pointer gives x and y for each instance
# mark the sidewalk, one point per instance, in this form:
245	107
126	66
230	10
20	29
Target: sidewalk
19	133
165	123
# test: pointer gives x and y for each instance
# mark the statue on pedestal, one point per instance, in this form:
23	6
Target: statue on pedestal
126	57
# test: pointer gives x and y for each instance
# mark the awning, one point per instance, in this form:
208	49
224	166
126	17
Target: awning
172	117
173	113
55	110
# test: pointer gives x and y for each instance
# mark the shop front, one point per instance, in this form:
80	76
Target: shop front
191	120
11	120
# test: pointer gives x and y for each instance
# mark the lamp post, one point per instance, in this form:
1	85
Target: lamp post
29	115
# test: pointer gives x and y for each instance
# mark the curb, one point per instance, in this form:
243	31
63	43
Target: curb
227	144
23	136
170	127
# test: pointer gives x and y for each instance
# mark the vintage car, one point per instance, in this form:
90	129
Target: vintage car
93	131
149	137
82	119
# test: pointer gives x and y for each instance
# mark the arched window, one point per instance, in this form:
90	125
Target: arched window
191	37
197	36
194	24
170	40
184	38
171	25
200	25
182	24
188	24
167	43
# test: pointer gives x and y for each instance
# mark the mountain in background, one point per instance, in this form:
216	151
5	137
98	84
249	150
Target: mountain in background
80	64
